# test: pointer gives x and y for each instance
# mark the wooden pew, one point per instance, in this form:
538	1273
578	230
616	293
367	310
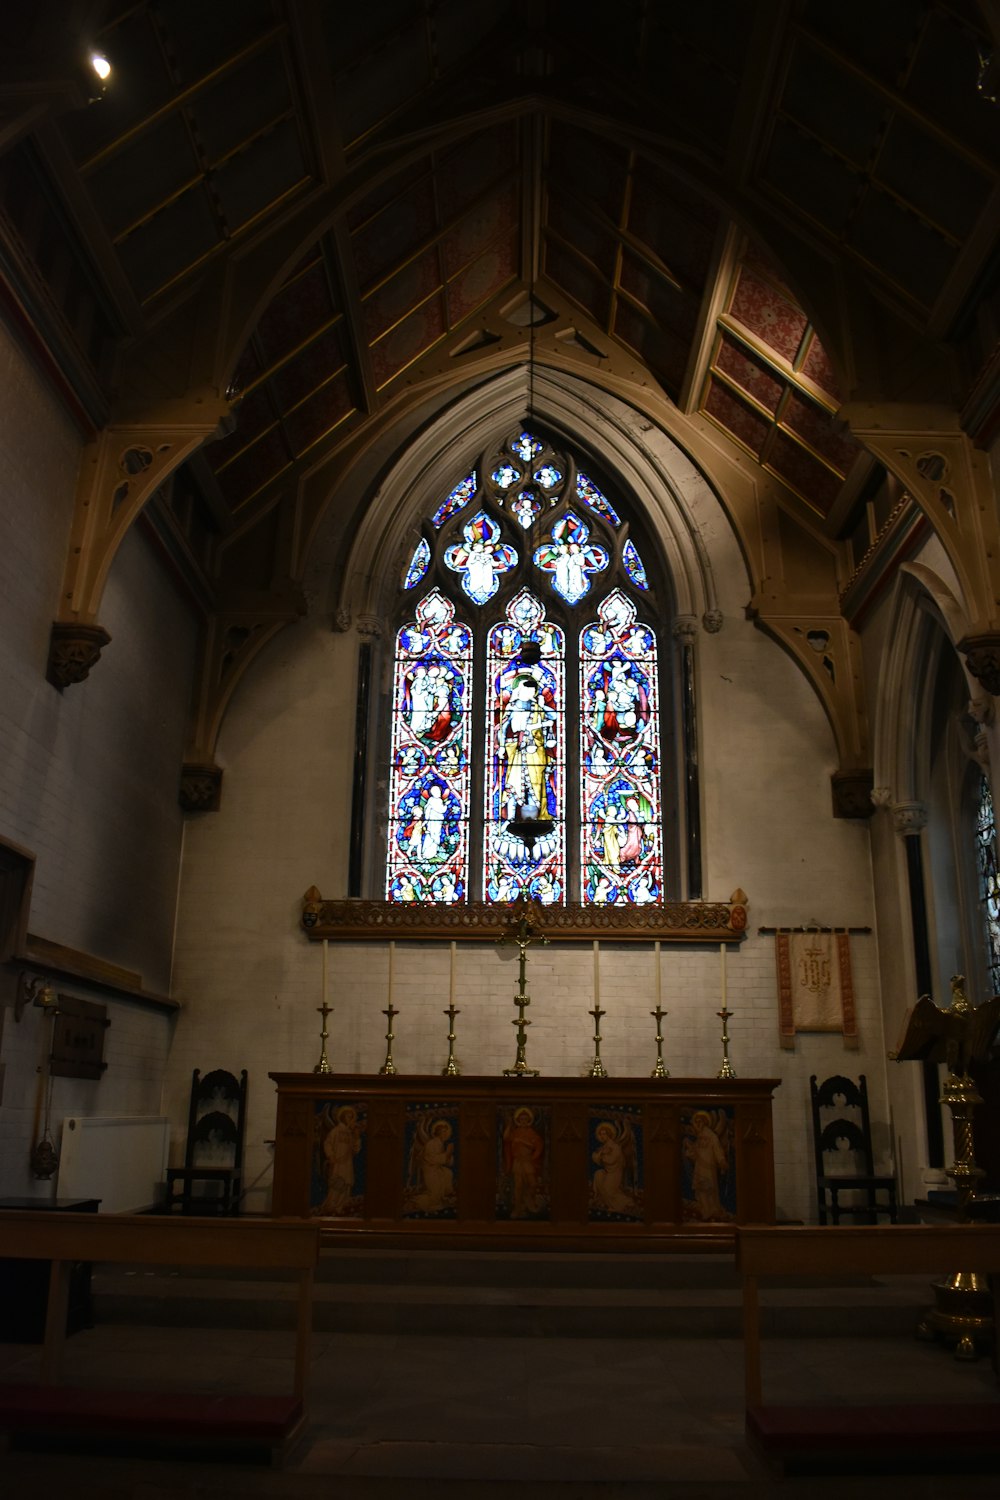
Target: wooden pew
884	1434
240	1244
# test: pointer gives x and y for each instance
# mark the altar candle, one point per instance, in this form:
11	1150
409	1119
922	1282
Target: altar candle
722	960
656	955
326	945
392	958
451	983
597	972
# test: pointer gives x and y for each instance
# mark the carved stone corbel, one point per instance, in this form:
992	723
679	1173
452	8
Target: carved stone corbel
982	653
852	793
201	787
73	650
909	818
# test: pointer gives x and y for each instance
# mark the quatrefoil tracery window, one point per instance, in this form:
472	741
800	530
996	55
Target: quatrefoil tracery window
526	686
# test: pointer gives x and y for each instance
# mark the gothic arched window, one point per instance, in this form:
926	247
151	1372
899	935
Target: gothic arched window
525	718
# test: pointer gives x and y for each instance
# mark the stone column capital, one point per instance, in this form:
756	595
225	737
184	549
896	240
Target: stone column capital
909	818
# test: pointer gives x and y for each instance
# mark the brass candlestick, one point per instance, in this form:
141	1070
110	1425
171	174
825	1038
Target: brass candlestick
388	1068
597	1068
726	1071
659	1071
323	1066
526	934
451	1068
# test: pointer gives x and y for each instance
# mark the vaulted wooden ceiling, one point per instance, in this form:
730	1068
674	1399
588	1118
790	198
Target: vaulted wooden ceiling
711	192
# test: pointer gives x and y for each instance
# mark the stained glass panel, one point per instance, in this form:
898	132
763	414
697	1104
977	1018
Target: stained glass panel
429	794
989	882
526	506
547	476
591	495
526	446
525	773
459	497
419	563
569	557
620	808
481	558
505	476
634	566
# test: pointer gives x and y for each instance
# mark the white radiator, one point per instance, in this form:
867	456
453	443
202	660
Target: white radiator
121	1159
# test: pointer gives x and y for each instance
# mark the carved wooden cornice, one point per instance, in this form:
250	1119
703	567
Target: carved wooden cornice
483	921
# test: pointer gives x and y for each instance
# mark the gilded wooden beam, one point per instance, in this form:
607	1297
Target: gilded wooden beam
482	921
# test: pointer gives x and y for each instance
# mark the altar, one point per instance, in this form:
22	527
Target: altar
524	1161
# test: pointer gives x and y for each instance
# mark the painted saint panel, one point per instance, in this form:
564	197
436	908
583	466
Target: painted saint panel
616	1165
427	855
337	1181
480	558
526	755
620	803
430	1184
523	1136
708	1165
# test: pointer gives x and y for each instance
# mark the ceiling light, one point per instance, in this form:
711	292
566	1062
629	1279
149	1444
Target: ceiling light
101	66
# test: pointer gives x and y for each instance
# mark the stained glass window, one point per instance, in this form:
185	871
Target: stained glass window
542	777
620	805
989	882
431	735
526	757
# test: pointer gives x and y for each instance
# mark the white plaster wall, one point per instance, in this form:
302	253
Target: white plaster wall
88	778
253	981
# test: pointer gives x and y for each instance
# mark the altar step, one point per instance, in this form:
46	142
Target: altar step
497	1295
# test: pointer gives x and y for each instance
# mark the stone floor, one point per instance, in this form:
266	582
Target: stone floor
457	1414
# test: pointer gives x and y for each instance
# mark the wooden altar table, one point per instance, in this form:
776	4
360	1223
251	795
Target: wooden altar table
556	1162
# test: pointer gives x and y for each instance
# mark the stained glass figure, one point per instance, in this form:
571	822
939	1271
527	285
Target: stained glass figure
569	557
620	807
526	447
505	476
989	882
548	476
525	768
526	506
419	563
459	497
634	565
481	558
427	858
591	495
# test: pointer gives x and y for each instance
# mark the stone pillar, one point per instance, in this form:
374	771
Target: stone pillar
909	820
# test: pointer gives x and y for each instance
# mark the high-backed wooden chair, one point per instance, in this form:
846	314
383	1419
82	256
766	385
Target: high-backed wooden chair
213	1155
842	1139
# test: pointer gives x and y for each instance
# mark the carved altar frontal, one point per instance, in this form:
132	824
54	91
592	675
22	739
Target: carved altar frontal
518	1161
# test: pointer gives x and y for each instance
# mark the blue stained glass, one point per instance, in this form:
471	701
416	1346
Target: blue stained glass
547	476
526	446
591	495
419	563
427	858
619	759
505	476
525	744
570	558
634	566
459	497
481	558
526	506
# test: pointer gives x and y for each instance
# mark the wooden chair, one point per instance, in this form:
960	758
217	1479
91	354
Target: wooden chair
214	1151
842	1139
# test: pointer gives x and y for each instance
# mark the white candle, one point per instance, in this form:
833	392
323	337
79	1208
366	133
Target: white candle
597	972
392	958
451	984
656	954
722	960
326	944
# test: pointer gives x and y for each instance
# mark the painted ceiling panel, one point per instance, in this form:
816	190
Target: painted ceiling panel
308	370
820	371
578	280
812	423
762	309
810	178
398	296
753	376
596	170
243	100
391	76
662	351
408	340
466	170
917	167
268	168
316	416
817	485
490	220
852	129
302	305
917	258
748	426
248	473
391	236
586	234
149	170
170	243
482	279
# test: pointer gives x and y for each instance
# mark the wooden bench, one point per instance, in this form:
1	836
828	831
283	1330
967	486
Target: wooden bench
882	1437
246	1421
